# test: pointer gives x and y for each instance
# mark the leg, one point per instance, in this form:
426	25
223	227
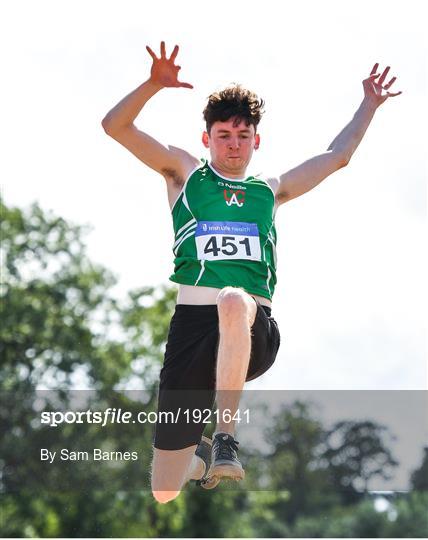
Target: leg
171	469
249	341
186	382
237	312
236	315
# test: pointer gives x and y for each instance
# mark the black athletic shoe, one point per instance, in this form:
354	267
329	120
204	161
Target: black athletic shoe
203	450
224	460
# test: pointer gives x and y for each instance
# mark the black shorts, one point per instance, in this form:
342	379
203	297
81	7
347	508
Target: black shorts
187	378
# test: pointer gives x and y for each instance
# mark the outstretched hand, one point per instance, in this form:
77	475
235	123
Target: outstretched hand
374	90
164	71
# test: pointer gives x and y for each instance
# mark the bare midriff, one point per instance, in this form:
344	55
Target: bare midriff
189	294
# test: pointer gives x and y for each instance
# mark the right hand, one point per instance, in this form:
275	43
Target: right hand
164	72
373	90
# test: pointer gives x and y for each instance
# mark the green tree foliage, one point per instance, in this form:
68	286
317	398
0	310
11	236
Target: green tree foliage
406	517
409	517
295	438
419	478
62	326
58	316
339	522
356	453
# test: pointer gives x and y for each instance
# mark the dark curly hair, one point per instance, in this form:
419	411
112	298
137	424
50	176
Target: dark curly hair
233	102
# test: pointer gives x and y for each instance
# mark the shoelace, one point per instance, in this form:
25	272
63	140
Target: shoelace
226	448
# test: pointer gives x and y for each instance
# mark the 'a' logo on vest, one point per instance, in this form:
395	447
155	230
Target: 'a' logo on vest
232	196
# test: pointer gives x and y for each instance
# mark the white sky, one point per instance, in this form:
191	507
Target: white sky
351	293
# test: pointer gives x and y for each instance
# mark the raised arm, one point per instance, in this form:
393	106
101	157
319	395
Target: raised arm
171	162
309	174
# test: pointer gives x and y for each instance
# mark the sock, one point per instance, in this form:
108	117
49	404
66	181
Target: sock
221	433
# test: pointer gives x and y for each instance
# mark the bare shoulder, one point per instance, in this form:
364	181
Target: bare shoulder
176	176
185	164
273	183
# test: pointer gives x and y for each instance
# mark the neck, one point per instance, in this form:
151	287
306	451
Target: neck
235	174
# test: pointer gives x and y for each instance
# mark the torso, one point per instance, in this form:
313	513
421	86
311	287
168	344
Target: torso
189	294
199	295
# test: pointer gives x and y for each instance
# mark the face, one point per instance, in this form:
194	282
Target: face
231	147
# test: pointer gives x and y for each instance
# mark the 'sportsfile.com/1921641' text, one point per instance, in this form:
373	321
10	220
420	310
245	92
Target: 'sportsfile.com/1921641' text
118	416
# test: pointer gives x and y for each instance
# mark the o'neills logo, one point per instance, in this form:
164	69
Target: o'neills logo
234	196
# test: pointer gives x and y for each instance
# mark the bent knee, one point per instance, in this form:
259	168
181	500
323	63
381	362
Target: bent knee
232	299
165	496
233	303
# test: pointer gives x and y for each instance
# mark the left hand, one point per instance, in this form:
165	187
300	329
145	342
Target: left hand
373	90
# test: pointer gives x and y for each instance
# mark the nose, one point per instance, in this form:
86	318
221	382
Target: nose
233	142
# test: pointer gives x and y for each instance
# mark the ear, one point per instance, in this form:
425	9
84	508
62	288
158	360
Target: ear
205	137
256	141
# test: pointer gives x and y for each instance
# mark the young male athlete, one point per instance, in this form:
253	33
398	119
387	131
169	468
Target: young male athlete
222	332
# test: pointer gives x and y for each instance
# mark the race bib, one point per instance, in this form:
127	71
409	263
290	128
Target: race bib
223	240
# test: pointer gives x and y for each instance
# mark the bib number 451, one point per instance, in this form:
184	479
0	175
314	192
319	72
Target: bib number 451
229	246
227	240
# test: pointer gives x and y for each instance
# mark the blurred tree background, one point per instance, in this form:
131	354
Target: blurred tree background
62	328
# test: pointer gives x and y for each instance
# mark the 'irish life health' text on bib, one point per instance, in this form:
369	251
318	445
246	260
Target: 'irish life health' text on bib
223	240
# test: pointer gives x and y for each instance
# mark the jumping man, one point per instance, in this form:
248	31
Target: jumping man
222	333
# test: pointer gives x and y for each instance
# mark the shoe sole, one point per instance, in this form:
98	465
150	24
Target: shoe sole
226	471
216	473
210	483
